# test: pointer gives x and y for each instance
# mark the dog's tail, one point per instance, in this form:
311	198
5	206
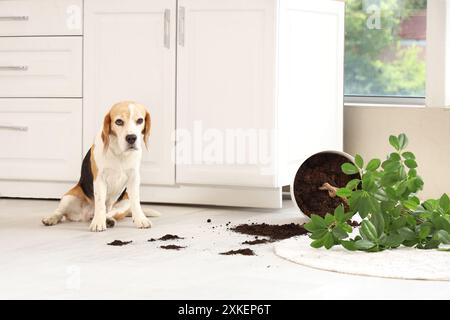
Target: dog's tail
152	213
149	213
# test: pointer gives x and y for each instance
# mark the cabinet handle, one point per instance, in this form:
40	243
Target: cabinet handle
181	26
14	18
13	68
167	28
13	128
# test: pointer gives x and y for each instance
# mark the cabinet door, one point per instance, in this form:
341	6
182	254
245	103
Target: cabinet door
40	139
225	106
130	55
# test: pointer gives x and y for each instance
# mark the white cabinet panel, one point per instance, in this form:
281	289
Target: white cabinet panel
226	111
40	139
41	67
41	17
130	55
310	86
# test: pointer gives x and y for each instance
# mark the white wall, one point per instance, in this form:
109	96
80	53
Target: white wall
367	130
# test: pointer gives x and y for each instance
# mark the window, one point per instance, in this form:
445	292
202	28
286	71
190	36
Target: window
385	48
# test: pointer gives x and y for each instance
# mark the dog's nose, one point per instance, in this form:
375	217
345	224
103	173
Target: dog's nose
131	138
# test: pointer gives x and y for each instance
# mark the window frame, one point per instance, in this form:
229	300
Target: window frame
437	64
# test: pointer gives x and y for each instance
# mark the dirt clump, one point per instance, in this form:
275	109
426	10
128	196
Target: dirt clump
273	232
243	252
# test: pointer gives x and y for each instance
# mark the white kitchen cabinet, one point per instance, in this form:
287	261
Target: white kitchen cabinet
40	139
259	88
226	92
44	67
41	17
130	55
240	92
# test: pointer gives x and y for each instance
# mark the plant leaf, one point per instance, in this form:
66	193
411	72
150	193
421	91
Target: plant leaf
424	232
411	204
368	231
339	213
393	140
411	164
407	233
353	184
318	221
394	240
391	165
344	193
403	141
378	221
373	165
442	236
318	234
364	245
349	169
317	244
329	219
444	203
349	245
339	233
409	156
328	241
395	157
359	161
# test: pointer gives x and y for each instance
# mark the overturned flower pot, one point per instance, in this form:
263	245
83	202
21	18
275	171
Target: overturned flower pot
314	187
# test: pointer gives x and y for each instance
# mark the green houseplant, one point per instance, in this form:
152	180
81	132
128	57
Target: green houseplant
385	198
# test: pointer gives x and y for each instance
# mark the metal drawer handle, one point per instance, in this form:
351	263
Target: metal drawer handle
167	28
13	128
14	18
13	68
181	26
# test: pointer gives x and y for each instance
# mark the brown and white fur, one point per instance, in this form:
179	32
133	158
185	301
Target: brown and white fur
108	189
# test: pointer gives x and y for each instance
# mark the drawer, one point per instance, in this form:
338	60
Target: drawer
40	139
41	17
38	67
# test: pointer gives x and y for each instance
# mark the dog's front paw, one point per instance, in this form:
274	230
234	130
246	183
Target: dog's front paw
98	225
142	223
50	221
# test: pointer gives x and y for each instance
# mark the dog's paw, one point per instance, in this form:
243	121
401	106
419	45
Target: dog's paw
110	223
142	223
98	225
152	213
50	221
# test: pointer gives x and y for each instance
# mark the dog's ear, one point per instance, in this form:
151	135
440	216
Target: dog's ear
106	131
147	128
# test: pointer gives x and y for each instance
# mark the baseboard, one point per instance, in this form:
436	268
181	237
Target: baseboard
214	195
34	189
180	194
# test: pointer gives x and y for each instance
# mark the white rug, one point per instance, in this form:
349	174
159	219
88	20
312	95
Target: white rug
402	263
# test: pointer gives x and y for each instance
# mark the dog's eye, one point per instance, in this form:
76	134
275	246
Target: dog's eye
119	122
140	121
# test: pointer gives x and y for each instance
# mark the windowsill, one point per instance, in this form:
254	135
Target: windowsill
384	102
383	105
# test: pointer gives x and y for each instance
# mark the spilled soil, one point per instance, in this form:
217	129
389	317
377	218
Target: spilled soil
256	242
172	247
119	243
167	237
273	232
243	252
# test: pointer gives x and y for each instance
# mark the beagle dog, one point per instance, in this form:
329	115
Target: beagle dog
108	189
